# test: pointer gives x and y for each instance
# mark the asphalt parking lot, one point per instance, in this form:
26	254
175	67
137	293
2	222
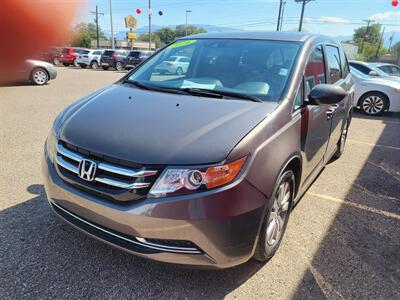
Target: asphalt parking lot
343	238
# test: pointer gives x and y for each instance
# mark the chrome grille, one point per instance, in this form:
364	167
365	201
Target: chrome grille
108	175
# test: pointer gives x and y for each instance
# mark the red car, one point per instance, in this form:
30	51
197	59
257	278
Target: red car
69	55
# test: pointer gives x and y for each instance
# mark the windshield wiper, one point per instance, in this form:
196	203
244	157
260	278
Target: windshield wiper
221	94
150	87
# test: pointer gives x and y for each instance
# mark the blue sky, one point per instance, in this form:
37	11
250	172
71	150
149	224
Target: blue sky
332	17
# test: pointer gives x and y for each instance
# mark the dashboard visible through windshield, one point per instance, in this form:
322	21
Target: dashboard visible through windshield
255	68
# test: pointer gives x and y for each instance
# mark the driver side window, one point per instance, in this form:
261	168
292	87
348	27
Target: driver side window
315	72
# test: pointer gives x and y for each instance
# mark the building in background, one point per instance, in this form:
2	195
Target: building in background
123	44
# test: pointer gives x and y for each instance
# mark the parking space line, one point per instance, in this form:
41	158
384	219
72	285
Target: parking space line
374	145
357	205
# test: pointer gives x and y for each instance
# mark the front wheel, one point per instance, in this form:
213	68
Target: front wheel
75	63
56	61
374	104
39	76
118	66
179	71
276	217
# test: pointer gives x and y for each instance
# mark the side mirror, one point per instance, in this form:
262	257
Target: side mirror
326	94
373	73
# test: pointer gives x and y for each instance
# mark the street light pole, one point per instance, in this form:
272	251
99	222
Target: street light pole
187	12
150	13
96	13
112	29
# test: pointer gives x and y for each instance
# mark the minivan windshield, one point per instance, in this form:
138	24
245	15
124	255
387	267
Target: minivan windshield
255	68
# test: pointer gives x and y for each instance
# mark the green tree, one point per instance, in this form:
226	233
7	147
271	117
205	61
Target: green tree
83	33
180	30
166	35
373	36
154	38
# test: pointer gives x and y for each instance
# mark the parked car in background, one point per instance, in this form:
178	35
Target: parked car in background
370	70
375	95
51	55
136	57
89	58
114	58
34	71
389	69
69	55
174	65
202	169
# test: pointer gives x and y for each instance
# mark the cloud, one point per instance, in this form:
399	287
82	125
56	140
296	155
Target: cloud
386	16
333	20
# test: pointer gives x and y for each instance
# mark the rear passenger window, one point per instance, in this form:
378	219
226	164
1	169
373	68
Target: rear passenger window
315	70
334	65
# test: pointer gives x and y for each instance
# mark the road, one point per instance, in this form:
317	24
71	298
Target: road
342	241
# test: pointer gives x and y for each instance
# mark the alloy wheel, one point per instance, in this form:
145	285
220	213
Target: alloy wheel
40	77
278	215
373	105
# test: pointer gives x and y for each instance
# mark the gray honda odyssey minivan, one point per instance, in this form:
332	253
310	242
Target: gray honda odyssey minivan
202	167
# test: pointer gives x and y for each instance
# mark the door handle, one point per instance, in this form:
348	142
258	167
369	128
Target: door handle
331	111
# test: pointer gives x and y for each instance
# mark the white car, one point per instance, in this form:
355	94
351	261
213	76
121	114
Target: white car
390	69
174	65
89	58
375	95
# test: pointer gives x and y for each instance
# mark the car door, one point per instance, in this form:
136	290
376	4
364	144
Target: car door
338	75
316	127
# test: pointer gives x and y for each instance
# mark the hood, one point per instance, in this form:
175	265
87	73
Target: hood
160	128
39	63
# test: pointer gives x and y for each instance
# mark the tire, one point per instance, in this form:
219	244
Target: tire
94	65
83	66
118	66
105	68
276	217
374	103
56	61
66	64
342	141
39	76
75	63
179	71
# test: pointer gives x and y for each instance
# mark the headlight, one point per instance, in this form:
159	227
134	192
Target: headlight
51	145
175	181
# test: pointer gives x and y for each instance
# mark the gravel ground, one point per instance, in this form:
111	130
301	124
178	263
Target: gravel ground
342	241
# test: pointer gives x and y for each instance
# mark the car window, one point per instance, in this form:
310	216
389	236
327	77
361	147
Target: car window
363	69
315	72
334	64
394	70
97	53
260	68
298	100
108	53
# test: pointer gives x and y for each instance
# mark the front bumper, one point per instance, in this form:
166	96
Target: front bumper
223	224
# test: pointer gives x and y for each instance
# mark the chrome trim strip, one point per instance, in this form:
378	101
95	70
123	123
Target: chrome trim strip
66	165
144	241
124	171
122	185
148	245
65	152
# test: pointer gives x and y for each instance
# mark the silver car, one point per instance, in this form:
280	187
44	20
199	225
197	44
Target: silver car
371	70
375	95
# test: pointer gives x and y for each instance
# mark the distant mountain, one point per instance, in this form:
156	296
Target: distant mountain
121	35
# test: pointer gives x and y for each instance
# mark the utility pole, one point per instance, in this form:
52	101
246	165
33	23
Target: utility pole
380	43
391	41
150	13
303	6
186	31
279	15
283	13
366	33
96	13
112	29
